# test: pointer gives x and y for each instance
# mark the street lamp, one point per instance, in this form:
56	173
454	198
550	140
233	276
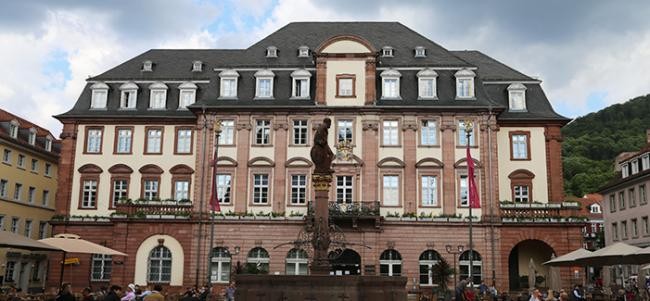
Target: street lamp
450	249
469	127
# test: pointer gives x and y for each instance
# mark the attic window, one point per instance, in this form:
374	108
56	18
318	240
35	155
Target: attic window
147	66
13	129
271	51
303	51
420	51
129	95
99	95
595	208
465	84
387	51
158	96
32	136
48	143
187	95
197	66
390	84
517	97
264	84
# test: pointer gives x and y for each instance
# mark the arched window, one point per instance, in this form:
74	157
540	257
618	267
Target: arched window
160	265
297	262
258	261
428	259
220	265
463	264
390	263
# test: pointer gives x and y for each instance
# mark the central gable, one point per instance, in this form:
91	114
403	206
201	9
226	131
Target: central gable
346	44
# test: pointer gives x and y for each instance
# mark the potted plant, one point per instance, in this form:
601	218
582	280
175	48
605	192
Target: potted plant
262	215
456	218
392	216
409	216
247	215
296	216
230	215
440	274
277	215
118	215
425	217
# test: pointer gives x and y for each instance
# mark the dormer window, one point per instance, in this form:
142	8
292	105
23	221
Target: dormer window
387	51
420	51
158	96
48	143
300	87
32	137
517	97
271	51
187	95
595	208
645	162
147	66
303	51
635	166
128	96
99	95
264	84
228	84
13	129
390	84
427	84
465	84
624	170
197	66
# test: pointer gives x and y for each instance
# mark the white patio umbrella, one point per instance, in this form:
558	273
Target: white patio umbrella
569	259
72	243
15	241
639	257
610	255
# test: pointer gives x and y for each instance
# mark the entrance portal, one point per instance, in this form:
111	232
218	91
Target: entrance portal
525	264
349	263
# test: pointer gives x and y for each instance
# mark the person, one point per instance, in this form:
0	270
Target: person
564	296
189	295
577	293
483	288
204	291
144	292
87	294
493	291
114	293
550	296
130	293
156	294
535	295
230	292
12	293
460	290
469	294
65	294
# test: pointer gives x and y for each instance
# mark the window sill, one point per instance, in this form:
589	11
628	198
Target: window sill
391	98
517	111
259	205
429	206
126	109
524	159
427	98
98	109
227	97
298	145
117	153
297	205
465	146
263	98
465	98
152	153
300	98
429	145
6	163
262	145
345	96
156	109
391	145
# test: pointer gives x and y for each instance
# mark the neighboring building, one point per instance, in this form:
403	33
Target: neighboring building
144	131
593	231
625	205
28	184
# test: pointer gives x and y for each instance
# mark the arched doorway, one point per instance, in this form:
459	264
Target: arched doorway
349	263
525	261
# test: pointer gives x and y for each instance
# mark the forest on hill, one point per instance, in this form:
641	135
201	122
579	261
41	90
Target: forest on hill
592	142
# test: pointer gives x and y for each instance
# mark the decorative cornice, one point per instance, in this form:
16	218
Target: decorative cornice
447	126
410	126
370	125
280	125
244	126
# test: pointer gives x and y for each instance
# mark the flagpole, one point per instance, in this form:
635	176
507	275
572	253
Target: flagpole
217	131
468	132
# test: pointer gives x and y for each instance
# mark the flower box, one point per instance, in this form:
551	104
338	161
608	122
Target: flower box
248	217
119	216
168	216
232	217
278	218
392	218
408	219
185	217
263	217
295	218
425	219
156	216
455	219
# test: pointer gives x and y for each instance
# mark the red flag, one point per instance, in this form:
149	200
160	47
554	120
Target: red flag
214	197
474	201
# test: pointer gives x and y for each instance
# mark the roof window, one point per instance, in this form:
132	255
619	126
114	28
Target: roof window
303	51
147	65
420	51
197	66
271	51
387	51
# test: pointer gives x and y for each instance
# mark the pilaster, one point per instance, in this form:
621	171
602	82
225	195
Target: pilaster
370	156
280	158
448	128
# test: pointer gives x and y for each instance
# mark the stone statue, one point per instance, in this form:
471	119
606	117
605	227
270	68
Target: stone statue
321	154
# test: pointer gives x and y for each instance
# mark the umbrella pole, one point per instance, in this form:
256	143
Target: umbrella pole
61	274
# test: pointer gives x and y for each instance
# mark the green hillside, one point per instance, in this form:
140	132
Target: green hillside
593	141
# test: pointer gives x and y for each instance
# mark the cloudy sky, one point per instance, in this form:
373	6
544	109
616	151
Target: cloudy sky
589	54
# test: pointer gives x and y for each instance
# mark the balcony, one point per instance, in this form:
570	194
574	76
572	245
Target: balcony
566	212
354	214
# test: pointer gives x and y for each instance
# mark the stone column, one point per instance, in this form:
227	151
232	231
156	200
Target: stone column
243	154
370	157
448	128
321	236
409	129
280	158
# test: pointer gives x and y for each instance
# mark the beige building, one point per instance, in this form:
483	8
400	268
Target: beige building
28	181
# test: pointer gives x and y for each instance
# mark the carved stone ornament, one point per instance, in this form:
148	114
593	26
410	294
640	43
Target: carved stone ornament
371	125
321	182
410	126
244	126
280	125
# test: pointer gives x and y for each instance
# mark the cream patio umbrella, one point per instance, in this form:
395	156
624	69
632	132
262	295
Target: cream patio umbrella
15	241
569	259
72	243
611	255
639	257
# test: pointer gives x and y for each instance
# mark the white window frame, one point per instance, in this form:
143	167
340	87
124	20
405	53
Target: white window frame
259	257
154	142
463	191
263	75
476	262
157	96
164	258
303	51
465	83
28	228
42	230
128	96
300	131
94	140
99	96
229	92
227	136
635	166
344	189
261	188
34	165
271	52
32	136
519	146
391	263
48	170
120	190
390	189
224	188
147	65
89	193
262	132
304	76
13	129
420	51
296	258
521	193
104	265
344	127
18	191
517	97
425	75
15	221
219	272
184	138
462	136
150	188
182	189
645	162
197	66
624	171
10	271
350	89
4	190
298	189
6	156
387	51
429	190
124	141
186	95
21	161
390	133
48	144
390	84
31	194
429	263
595	208
428	133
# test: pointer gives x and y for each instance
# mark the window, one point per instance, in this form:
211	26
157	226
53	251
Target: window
427	84
182	190
150	189
300	131
297	262
390	132
300	79
298	189
428	259
2	223
645	162
89	194
28	228
223	188
18	191
462	136
21	161
521	194
632	195
595	208
6	156
614	231
160	265
271	51
519	146
187	95
220	265
390	190
420	51
94	140
465	84
34	165
4	189
147	66
228	84
45	197
14	225
428	132
42	230
644	224
303	51
612	203
262	132
621	200
154	141
260	188
344	189
635	229
643	198
197	66
624	170
158	97
99	96
48	169
48	144
101	267
345	85
31	194
258	259
390	84
517	97
429	191
390	263
10	269
31	139
120	191
387	51
264	80
128	96
635	167
13	129
124	140
227	136
463	191
463	263
183	141
624	229
344	130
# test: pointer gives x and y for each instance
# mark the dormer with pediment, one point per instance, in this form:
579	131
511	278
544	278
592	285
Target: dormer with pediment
345	72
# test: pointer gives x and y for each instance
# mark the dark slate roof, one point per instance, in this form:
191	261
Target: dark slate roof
23	134
489	68
537	105
620	182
